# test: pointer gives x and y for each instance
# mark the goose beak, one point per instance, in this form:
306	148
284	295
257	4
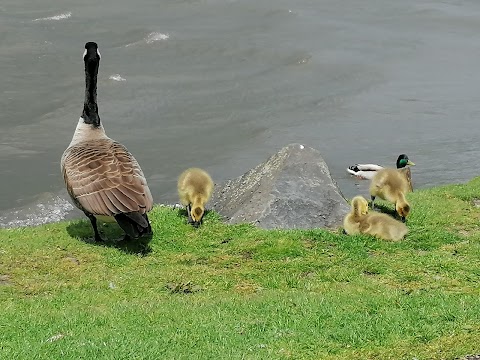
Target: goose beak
410	163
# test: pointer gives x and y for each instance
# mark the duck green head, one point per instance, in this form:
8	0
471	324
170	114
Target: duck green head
403	161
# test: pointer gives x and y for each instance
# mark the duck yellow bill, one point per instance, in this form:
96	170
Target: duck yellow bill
410	163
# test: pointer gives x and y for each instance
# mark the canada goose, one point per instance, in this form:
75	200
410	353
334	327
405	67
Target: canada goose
367	171
102	177
195	187
360	221
392	185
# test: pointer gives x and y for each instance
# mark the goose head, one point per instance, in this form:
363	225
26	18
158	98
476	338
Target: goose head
91	58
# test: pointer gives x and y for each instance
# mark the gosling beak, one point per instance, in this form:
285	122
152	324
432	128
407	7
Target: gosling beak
196	224
410	163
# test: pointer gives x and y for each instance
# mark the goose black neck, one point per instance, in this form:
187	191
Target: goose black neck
90	108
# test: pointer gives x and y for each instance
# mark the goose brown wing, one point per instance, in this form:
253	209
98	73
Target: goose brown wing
104	178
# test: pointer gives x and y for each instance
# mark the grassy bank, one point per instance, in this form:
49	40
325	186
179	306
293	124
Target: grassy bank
237	292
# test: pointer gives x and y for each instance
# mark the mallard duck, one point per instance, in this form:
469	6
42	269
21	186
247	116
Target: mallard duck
392	185
367	171
195	187
383	226
102	177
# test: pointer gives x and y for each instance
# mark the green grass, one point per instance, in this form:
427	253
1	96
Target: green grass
238	292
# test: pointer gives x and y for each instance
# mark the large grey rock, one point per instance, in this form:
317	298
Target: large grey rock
292	189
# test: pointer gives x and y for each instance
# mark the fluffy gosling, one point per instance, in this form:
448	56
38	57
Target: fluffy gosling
195	187
383	226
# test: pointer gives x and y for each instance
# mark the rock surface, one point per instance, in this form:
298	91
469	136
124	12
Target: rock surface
292	189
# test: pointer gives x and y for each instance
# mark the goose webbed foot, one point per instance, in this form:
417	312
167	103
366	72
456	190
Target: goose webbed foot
196	224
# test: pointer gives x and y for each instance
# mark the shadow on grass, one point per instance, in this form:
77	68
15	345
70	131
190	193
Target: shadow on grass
389	211
182	212
386	210
112	235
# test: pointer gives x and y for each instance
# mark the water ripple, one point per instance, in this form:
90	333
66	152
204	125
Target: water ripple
151	38
63	16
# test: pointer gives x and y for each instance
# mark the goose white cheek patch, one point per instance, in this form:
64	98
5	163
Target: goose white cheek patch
85	53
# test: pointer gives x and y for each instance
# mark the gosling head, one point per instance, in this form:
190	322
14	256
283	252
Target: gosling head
197	215
403	209
359	206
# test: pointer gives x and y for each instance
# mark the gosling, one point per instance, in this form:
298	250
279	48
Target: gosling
383	226
392	185
195	187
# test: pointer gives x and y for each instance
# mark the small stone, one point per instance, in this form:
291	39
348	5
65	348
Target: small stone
55	338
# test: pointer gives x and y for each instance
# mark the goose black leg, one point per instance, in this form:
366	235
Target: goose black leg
373	201
93	220
189	212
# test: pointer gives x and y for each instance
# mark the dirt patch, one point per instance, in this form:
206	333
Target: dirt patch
73	260
464	232
247	288
309	244
183	287
5	280
247	255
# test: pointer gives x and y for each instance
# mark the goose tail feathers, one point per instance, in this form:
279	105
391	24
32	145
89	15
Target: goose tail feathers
134	224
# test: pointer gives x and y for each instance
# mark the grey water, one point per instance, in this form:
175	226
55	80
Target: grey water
224	84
